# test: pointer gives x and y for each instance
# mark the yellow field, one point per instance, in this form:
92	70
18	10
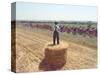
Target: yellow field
30	45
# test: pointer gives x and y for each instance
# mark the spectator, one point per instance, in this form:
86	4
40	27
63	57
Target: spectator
56	34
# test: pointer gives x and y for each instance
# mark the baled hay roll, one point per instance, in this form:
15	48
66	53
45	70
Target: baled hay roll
56	55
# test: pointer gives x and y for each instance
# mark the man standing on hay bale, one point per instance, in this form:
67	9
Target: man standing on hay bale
56	34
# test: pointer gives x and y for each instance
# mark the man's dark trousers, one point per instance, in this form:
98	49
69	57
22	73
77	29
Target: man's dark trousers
55	37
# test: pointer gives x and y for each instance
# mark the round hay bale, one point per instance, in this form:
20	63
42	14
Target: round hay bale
55	55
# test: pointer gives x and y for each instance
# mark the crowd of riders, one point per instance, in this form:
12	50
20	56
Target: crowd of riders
87	30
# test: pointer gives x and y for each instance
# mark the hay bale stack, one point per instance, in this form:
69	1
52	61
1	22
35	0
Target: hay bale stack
55	55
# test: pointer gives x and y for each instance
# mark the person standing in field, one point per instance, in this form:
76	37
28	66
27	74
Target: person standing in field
56	34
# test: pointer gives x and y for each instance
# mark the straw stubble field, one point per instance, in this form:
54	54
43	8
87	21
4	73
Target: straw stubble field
30	44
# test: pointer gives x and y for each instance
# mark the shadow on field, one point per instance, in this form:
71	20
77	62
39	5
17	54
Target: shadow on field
45	66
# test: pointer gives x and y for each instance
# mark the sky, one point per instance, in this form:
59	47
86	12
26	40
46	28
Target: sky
58	12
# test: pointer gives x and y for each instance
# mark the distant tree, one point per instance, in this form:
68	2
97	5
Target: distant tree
89	23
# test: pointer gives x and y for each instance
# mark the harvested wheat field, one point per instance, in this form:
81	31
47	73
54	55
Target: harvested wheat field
30	51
